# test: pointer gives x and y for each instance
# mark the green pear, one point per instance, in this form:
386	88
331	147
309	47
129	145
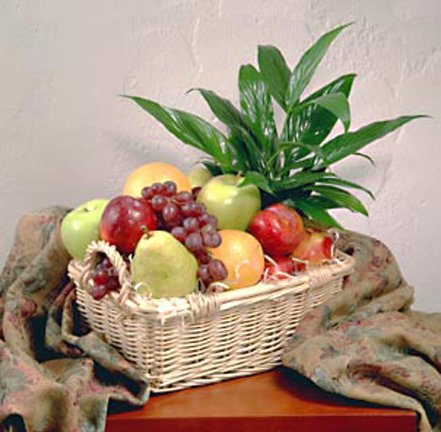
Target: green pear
163	267
198	176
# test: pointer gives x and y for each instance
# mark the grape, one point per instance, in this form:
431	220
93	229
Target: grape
208	228
211	239
100	276
182	197
193	209
191	224
213	221
158	188
217	269
158	202
203	257
199	209
99	291
170	212
204	274
169	188
173	223
105	263
180	233
194	242
112	272
204	218
186	209
207	219
113	283
147	193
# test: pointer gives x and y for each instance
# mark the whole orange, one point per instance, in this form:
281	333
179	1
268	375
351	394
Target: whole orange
149	173
243	257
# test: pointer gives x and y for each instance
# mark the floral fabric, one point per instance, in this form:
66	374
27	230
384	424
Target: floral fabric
366	343
53	375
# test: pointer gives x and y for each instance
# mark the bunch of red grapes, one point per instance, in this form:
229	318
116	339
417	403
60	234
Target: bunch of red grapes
189	222
161	207
105	278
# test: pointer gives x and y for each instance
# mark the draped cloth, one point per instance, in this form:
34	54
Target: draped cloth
365	343
54	375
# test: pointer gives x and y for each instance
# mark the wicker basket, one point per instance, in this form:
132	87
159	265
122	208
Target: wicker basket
202	338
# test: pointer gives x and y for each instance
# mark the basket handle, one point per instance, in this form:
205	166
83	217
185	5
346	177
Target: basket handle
117	261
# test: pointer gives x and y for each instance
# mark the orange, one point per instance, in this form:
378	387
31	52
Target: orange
147	174
243	257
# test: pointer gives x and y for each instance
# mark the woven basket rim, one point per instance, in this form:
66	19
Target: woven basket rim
205	304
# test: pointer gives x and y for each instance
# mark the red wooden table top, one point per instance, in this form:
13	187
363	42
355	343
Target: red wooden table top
279	400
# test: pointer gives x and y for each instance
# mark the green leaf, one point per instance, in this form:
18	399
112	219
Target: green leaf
257	109
283	146
337	104
300	179
316	123
245	146
240	142
341	197
274	71
365	156
305	163
222	108
305	69
351	142
337	181
322	202
258	179
213	167
190	129
314	211
312	124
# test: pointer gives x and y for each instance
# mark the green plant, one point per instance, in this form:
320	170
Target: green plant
293	164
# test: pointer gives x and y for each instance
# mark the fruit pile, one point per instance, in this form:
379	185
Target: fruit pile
238	218
180	234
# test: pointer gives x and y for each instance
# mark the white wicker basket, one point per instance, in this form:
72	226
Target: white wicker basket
202	338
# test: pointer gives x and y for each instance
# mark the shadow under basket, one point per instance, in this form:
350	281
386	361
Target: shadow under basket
202	338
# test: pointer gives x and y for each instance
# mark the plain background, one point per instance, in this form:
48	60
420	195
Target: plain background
66	137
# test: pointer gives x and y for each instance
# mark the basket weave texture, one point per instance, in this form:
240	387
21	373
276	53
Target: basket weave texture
202	338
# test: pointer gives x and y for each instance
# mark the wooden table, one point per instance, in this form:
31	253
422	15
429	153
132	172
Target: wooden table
280	400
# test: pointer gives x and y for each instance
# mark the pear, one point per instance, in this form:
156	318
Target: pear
163	267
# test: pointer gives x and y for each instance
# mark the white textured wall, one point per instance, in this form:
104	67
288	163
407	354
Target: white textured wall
66	137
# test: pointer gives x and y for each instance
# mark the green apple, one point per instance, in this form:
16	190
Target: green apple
199	176
232	204
81	226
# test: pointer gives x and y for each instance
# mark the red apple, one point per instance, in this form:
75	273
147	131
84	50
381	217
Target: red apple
315	247
283	264
290	213
278	228
125	219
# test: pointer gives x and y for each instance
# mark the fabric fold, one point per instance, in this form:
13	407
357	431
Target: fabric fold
367	344
53	374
